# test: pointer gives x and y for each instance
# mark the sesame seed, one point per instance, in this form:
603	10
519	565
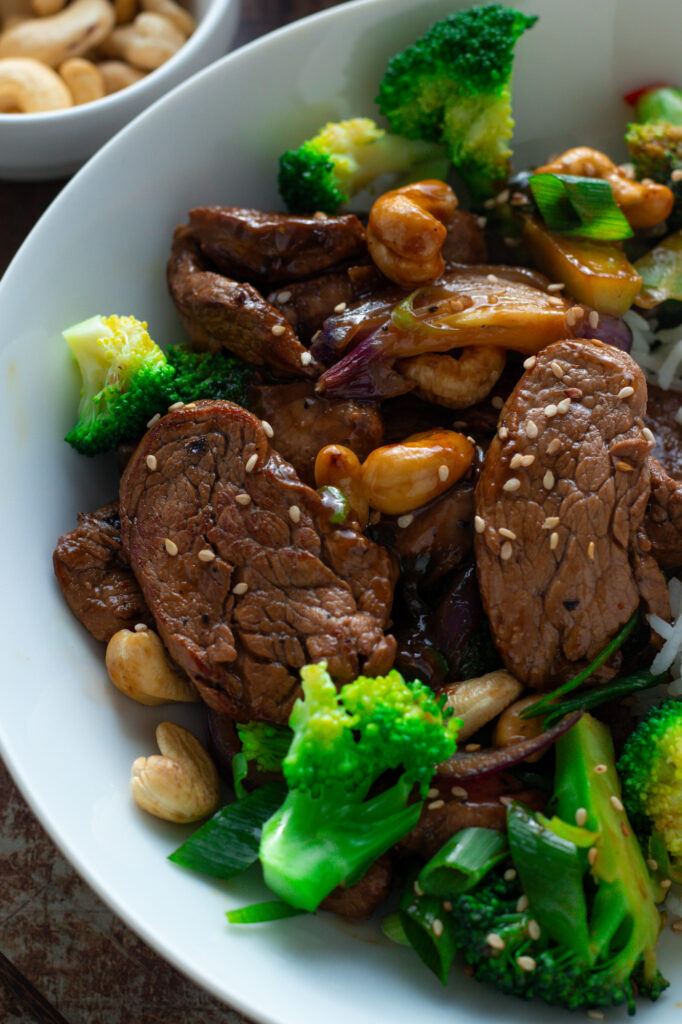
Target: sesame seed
206	555
503	197
550	410
578	312
482	221
624	829
676	175
511	243
534	931
616	803
526	963
676	926
592	854
601	769
141	627
479	524
320	215
497	402
151	462
443	473
417	888
284	296
512	484
277	330
527	460
471	747
570	316
489	204
306	358
558	286
581	816
470	439
175	406
563	406
240	588
243	499
624	467
557	369
494	940
554	300
573	392
548	480
553	541
649	435
505	800
626	392
267	429
652	864
294	513
666	883
593	319
405	521
530	362
550	522
251	463
522	904
435	804
437	928
155	419
531	429
506	551
459	792
170	546
492	278
433	792
504	532
447	905
595	1015
510	874
590	550
340	306
503	433
553	446
515	461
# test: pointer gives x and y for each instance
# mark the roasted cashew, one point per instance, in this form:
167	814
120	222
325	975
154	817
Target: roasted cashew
14	11
338	466
510	728
119	75
177	15
43	8
644	204
181	785
81	26
147	43
477	701
29	87
406	231
84	80
455	382
138	666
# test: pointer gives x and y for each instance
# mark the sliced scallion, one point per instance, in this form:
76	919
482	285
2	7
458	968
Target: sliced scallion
257	913
573	205
428	930
462	862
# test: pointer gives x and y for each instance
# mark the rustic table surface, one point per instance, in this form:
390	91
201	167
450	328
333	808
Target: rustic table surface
64	957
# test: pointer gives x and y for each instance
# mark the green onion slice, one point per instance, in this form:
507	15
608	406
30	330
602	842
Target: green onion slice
573	205
428	930
229	842
462	862
256	913
589	699
393	929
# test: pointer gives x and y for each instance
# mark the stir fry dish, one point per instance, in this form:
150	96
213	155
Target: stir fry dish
401	509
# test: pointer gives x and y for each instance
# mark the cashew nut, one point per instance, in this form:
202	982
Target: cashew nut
138	666
29	87
182	784
338	466
406	231
81	26
455	382
43	8
510	728
176	14
477	701
119	75
643	203
146	43
84	80
125	11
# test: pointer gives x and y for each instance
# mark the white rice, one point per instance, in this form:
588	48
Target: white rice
659	353
670	654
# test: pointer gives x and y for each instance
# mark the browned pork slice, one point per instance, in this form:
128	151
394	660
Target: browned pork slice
95	578
220	313
563	560
275	246
664	515
245	576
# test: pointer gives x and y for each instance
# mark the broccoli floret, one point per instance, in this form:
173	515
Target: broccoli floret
345	157
453	86
264	744
650	769
327	831
126	379
656	149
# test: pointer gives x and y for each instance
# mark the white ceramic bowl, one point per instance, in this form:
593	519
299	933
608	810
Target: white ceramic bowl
68	737
52	145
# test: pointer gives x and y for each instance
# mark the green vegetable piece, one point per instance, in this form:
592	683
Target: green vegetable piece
661	272
265	744
656	150
240	769
453	85
428	930
228	843
336	502
616	690
257	913
660	105
462	862
328	831
551	870
392	928
573	205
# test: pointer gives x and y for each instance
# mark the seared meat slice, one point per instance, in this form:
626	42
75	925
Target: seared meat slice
664	517
245	576
465	240
220	313
562	557
95	578
275	246
307	304
662	407
303	422
359	901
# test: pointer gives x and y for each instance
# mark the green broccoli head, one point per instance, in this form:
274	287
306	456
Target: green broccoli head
127	379
650	769
264	744
656	149
327	832
345	157
453	86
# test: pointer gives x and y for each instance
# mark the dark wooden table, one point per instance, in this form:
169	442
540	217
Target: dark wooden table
64	957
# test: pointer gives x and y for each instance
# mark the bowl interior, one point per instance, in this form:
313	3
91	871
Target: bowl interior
68	737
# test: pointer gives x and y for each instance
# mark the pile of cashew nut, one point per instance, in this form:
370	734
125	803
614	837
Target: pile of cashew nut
55	55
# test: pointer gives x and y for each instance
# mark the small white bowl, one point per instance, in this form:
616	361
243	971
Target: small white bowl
54	144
